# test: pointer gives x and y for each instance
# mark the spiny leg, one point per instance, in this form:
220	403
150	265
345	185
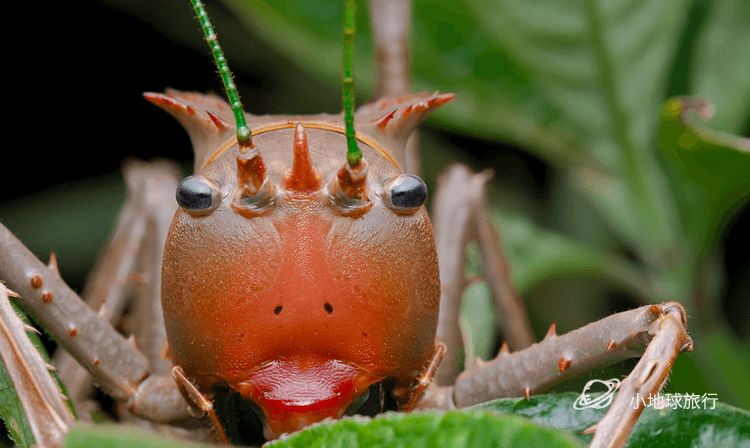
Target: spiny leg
41	400
116	364
110	282
451	219
160	183
460	214
558	358
512	311
660	329
646	379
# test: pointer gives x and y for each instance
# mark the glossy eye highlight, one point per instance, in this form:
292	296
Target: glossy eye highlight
197	195
404	193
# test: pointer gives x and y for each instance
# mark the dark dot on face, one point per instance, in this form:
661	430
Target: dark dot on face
328	307
277	310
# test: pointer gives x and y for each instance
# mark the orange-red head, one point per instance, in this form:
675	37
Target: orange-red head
291	278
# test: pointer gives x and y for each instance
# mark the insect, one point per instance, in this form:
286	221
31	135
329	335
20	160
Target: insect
298	279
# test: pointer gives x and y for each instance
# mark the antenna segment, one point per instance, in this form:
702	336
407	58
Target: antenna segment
244	135
353	153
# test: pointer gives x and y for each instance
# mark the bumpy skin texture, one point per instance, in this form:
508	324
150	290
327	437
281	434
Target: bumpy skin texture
301	298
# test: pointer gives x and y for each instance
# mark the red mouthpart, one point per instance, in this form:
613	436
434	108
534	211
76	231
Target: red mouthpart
296	392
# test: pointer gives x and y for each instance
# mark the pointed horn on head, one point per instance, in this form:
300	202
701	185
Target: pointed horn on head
302	177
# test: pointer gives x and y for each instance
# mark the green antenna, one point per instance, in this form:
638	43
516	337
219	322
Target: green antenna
244	135
353	153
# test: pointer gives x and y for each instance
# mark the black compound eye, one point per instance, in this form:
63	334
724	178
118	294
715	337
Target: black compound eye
197	195
405	193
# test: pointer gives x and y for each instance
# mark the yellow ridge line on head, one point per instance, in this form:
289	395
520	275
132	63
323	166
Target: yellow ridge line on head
309	125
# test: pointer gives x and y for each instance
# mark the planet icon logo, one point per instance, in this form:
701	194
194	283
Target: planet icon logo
593	400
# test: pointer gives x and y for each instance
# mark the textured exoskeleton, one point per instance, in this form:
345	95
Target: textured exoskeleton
295	282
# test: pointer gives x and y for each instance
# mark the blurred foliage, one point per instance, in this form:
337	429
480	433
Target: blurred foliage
637	193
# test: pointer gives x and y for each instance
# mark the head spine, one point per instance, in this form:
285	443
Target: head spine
302	177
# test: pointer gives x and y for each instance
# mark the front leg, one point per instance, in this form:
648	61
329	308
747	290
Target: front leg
658	328
647	378
116	364
558	358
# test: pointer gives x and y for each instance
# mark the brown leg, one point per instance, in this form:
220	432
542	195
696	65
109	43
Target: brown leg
107	287
391	20
115	363
157	399
130	254
160	182
199	402
647	378
558	358
512	311
41	400
459	214
426	377
660	329
451	219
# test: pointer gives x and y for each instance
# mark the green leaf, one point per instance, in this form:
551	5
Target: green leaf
478	318
721	62
711	169
723	426
11	411
436	429
545	420
121	436
604	65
